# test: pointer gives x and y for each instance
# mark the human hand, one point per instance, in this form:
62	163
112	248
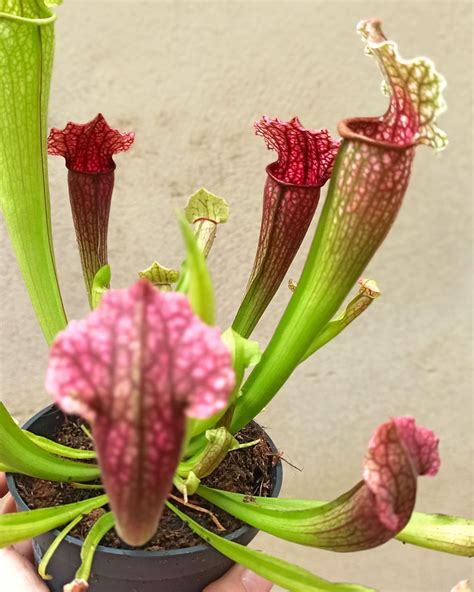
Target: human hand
19	573
16	562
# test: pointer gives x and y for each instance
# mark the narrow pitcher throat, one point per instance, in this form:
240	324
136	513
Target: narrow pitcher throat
289	185
99	174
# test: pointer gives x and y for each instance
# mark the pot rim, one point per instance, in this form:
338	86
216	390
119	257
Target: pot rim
278	479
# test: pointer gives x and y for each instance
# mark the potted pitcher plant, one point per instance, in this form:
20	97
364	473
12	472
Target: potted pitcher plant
148	471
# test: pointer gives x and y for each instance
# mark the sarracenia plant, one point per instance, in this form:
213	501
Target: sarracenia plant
163	391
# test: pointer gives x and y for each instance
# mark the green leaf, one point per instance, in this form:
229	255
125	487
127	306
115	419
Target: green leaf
282	573
22	455
21	526
43	565
95	535
100	284
5	468
26	55
285	517
195	282
60	449
198	285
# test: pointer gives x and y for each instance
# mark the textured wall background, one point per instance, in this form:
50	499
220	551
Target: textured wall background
190	78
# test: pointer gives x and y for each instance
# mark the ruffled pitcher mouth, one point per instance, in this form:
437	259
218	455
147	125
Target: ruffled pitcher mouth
415	91
88	148
305	156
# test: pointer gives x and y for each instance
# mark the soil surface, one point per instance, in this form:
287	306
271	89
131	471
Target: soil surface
247	471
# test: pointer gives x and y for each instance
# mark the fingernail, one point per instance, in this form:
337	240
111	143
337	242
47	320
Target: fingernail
254	583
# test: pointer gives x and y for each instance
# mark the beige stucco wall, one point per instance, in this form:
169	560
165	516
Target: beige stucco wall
190	78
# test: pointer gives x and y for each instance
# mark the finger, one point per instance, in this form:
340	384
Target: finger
8	505
24	548
18	574
239	579
3	485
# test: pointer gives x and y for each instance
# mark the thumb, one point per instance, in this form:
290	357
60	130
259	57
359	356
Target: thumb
18	574
3	485
239	579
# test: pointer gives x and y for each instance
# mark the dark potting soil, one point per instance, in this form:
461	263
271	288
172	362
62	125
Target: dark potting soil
246	471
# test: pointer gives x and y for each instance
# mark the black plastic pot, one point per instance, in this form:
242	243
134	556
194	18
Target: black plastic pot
118	570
